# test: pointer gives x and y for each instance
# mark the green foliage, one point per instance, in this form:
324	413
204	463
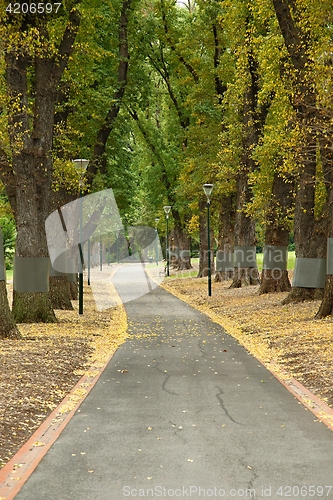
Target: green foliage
174	130
7	225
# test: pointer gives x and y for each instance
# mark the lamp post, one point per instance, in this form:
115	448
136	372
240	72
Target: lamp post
81	166
89	262
156	222
167	209
208	188
100	253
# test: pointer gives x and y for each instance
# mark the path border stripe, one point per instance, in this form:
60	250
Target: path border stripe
17	471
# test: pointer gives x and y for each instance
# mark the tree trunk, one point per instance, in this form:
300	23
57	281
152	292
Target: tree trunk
245	276
32	307
254	116
310	237
274	281
180	252
31	299
309	233
73	287
326	306
224	254
274	276
245	238
203	255
60	293
8	328
98	162
32	81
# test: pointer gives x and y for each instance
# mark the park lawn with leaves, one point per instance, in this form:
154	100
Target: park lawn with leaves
41	368
286	339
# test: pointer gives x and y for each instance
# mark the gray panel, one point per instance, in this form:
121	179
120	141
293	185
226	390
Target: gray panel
224	261
310	273
275	257
31	274
2	260
55	273
60	265
245	256
72	277
329	268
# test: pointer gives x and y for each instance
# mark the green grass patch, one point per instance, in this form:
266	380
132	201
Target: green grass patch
9	274
291	260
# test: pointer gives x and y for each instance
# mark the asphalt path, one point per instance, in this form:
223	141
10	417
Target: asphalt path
183	411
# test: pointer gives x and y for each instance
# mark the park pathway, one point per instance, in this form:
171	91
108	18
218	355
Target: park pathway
183	411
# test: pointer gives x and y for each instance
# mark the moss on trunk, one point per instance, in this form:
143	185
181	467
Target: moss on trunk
33	307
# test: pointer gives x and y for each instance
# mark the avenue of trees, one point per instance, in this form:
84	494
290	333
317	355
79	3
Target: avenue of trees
162	97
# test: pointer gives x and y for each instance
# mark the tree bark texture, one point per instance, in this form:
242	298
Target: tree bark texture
309	233
180	245
326	306
244	234
8	328
276	234
226	235
74	290
60	293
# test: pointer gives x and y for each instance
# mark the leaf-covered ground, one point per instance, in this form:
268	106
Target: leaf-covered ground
287	339
40	369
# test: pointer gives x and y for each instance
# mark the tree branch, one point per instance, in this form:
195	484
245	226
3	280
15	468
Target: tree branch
188	66
67	42
98	162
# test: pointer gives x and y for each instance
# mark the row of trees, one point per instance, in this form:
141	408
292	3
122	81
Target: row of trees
163	96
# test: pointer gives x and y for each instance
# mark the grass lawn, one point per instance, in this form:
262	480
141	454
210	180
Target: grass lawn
9	274
291	260
260	258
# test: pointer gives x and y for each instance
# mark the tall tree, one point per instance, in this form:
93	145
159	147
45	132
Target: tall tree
35	58
309	230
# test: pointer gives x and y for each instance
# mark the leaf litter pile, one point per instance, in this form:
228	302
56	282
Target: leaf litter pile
287	339
40	369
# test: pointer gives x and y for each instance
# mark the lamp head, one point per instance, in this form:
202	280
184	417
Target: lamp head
167	209
81	165
208	188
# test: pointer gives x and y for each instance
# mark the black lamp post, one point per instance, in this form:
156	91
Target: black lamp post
81	165
208	188
156	222
167	209
89	262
